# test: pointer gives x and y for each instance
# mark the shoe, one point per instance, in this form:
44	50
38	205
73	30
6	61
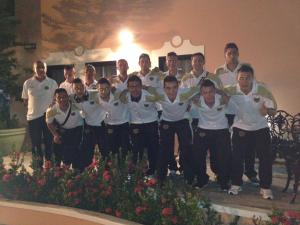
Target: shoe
254	181
234	190
266	193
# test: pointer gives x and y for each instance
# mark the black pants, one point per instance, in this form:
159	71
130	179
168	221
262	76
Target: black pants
118	139
249	169
145	136
167	132
218	142
39	133
69	151
259	141
96	135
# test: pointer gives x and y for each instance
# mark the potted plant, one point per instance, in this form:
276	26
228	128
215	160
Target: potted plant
11	135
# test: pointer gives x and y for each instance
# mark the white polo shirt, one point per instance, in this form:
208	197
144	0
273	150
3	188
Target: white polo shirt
60	116
92	112
227	76
116	111
152	79
67	86
40	96
177	110
92	86
212	118
247	107
143	111
118	83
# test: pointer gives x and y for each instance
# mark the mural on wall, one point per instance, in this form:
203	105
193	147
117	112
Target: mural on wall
75	24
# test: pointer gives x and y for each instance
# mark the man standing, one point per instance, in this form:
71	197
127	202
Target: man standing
37	94
172	64
253	102
89	77
120	81
69	74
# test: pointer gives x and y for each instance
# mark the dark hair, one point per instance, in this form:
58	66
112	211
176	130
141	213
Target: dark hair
35	65
122	60
231	45
169	79
69	67
144	55
208	83
198	54
246	68
172	54
60	90
90	67
77	81
134	78
103	81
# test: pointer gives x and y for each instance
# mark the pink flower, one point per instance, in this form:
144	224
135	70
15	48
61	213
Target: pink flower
274	219
6	177
70	183
174	220
108	210
151	182
167	211
109	163
293	214
41	182
118	213
106	175
139	209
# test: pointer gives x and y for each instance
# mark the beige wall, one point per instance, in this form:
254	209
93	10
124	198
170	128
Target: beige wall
267	32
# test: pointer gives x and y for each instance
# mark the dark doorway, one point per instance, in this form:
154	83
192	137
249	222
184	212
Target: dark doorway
56	73
104	68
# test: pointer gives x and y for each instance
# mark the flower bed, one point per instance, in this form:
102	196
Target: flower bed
118	189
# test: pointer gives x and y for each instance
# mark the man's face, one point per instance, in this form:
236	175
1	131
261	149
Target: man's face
122	66
62	99
231	56
135	88
70	75
40	70
198	63
208	94
89	73
78	89
171	89
245	81
172	62
104	90
145	63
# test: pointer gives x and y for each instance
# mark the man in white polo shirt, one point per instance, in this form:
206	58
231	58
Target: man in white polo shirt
89	77
120	81
65	123
117	118
212	133
228	75
174	119
37	94
69	74
143	123
253	102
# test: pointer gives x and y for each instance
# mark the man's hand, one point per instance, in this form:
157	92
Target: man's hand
57	139
263	110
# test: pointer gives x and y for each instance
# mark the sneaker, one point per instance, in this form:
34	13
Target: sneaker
254	181
266	193
234	190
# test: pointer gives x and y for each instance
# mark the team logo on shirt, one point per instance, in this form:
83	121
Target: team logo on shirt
256	98
151	78
116	103
46	88
73	114
180	103
92	102
146	105
219	108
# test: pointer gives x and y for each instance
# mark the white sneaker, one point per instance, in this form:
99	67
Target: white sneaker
234	190
266	193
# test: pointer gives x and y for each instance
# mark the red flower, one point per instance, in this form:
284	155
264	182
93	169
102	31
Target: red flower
6	177
109	163
151	182
41	182
76	201
70	183
167	211
101	186
138	189
57	174
174	220
139	209
274	219
293	214
118	213
106	175
108	210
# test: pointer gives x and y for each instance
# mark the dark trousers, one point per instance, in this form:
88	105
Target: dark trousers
39	133
249	169
96	135
218	143
145	136
259	141
69	151
118	139
167	132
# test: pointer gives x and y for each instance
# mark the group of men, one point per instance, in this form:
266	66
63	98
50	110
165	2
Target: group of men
223	113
